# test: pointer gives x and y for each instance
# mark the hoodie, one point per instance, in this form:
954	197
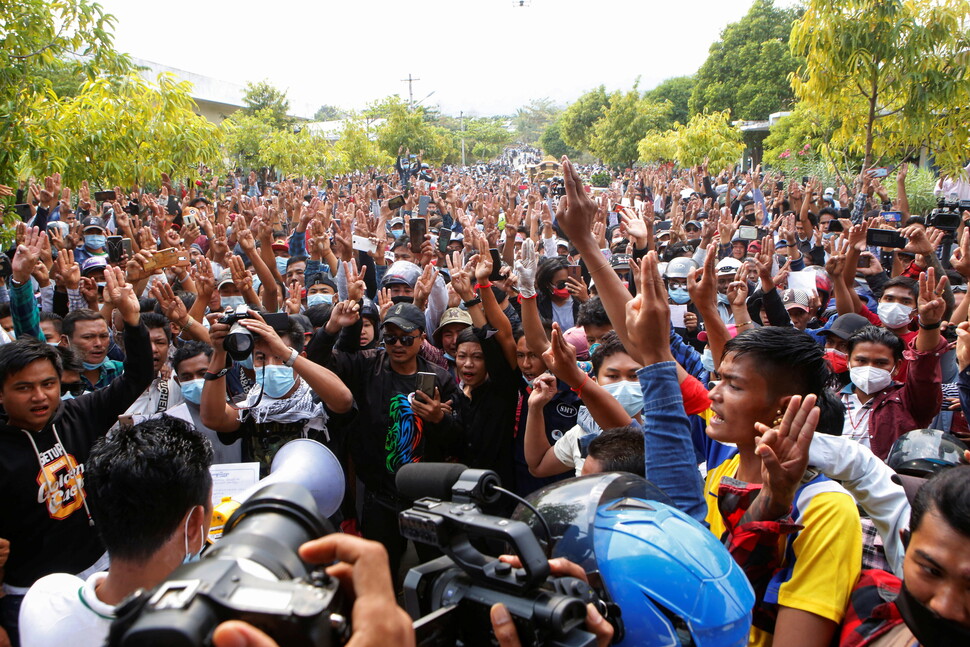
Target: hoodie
44	511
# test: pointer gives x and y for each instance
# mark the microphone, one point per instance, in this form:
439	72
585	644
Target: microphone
418	480
448	482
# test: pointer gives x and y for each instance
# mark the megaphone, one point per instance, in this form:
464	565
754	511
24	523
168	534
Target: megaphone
302	461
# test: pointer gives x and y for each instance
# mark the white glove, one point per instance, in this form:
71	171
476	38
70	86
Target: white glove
525	269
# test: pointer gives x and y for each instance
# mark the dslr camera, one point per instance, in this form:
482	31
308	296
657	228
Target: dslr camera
253	574
239	342
450	597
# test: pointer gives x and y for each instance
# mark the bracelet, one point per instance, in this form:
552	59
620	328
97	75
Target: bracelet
189	322
209	375
579	389
522	297
472	302
482	286
292	359
746	323
930	326
601	267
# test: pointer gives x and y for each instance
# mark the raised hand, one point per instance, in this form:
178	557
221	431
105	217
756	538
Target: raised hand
119	293
28	253
577	211
355	281
67	270
960	259
543	390
784	457
172	306
703	292
931	304
648	316
560	359
526	268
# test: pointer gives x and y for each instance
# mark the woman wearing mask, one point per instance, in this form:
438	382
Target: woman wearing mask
555	289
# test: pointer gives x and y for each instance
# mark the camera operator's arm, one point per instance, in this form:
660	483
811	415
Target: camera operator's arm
334	393
215	413
362	567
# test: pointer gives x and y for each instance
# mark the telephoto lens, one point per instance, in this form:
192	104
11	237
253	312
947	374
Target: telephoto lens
254	573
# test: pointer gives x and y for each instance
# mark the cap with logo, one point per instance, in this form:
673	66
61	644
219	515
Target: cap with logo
406	316
795	298
451	316
92	222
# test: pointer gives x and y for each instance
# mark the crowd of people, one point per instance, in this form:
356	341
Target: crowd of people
787	362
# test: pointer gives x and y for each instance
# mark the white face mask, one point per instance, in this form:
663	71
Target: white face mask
870	379
894	315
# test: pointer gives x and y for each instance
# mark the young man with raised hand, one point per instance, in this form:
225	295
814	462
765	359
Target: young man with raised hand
45	442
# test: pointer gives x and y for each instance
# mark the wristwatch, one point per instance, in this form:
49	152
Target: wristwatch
292	359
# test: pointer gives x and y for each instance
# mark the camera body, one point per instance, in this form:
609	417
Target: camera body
450	597
239	341
946	216
253	574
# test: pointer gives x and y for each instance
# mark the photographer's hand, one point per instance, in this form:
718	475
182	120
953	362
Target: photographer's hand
366	575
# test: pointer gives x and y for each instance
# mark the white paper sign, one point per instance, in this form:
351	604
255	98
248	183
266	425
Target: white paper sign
677	313
229	479
804	280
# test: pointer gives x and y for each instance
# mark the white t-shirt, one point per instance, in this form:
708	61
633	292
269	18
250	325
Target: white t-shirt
62	609
567	449
856	425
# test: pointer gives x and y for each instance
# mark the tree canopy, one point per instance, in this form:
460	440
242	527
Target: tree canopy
894	75
576	126
747	70
677	91
625	121
270	103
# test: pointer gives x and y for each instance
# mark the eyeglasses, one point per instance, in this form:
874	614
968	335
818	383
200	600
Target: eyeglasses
405	340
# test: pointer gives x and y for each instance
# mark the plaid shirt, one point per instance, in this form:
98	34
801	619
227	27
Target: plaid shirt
23	311
873	553
109	371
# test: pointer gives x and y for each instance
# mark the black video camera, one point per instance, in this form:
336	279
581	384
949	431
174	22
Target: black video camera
253	574
946	216
450	597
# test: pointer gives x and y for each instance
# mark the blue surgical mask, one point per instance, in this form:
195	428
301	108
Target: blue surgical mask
94	241
231	302
628	394
192	390
722	299
93	367
67	396
281	264
192	557
707	359
276	380
317	299
679	296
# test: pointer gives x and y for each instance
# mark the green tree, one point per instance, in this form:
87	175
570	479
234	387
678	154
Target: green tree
270	103
410	128
893	74
576	126
552	143
677	91
36	36
708	137
625	121
246	135
122	131
328	113
747	70
531	120
485	138
355	150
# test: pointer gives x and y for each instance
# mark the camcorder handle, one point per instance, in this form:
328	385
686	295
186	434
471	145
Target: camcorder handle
450	527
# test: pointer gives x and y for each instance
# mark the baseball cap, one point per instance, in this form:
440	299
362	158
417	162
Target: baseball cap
92	222
280	246
320	278
846	325
451	316
829	191
397	221
401	272
795	298
93	263
562	243
224	278
406	316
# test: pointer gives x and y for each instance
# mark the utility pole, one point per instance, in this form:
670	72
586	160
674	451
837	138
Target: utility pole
410	83
461	116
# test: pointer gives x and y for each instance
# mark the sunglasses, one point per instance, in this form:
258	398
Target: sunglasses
559	285
405	340
75	388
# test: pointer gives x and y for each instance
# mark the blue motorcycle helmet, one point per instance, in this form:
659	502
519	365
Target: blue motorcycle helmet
675	584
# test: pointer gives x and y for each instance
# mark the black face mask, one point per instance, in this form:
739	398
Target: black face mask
929	628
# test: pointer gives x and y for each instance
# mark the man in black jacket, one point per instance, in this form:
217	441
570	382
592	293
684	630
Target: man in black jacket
44	443
396	423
